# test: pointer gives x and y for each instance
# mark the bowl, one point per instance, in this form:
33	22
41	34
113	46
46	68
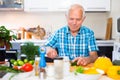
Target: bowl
25	74
21	76
89	75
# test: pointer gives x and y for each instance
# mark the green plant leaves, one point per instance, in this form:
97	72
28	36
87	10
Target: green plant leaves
30	50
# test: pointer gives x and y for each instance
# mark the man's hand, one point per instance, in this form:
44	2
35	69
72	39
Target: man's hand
51	53
86	60
82	60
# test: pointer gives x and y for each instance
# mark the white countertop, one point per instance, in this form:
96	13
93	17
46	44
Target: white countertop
32	77
49	72
105	42
28	40
36	41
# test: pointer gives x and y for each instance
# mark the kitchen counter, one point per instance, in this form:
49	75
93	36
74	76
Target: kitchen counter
22	41
32	76
70	77
105	46
36	41
105	42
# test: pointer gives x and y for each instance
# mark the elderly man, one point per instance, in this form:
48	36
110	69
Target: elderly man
74	39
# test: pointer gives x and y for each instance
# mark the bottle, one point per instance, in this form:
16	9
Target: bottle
37	60
42	64
42	52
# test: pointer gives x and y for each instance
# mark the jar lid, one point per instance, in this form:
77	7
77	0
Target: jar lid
58	58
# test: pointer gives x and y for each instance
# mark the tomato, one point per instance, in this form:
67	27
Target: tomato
27	67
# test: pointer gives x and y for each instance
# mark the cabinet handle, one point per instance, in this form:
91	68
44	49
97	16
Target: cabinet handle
96	8
62	8
38	8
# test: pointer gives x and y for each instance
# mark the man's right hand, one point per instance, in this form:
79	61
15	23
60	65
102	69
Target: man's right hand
51	53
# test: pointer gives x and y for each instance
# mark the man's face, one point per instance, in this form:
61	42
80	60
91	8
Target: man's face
75	20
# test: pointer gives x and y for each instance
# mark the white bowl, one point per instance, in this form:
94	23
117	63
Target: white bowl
25	74
81	76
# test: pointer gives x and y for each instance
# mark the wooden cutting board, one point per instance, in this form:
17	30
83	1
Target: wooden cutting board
72	68
109	29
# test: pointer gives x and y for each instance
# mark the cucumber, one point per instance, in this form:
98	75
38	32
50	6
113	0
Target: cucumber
73	63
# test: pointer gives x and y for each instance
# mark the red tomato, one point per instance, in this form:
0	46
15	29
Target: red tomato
27	67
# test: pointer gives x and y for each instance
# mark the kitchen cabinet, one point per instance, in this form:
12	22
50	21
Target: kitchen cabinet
97	5
62	5
46	5
37	5
11	5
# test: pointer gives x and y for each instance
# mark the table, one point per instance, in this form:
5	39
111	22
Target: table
32	76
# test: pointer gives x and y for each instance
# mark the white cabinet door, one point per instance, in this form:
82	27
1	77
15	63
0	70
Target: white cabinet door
60	5
81	2
63	5
97	5
37	5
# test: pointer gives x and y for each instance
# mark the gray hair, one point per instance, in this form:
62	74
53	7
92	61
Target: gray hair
76	6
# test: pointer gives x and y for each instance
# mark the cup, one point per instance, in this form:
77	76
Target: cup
58	67
50	70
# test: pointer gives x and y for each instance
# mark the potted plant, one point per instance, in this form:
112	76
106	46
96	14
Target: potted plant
6	37
30	50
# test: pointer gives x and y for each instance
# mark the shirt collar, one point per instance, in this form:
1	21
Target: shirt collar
68	30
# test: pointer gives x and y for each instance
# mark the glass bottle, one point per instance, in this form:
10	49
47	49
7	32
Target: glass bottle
37	60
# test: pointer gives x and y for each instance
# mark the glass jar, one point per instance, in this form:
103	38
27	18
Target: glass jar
37	60
58	67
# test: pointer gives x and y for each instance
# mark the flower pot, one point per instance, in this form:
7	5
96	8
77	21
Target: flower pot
2	55
5	45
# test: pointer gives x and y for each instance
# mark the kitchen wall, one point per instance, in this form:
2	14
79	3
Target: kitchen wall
51	21
115	14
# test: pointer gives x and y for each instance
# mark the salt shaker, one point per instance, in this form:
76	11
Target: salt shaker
58	67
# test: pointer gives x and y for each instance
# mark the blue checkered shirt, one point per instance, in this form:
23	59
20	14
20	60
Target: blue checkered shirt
67	45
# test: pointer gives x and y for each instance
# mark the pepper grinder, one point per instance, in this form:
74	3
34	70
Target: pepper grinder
42	64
